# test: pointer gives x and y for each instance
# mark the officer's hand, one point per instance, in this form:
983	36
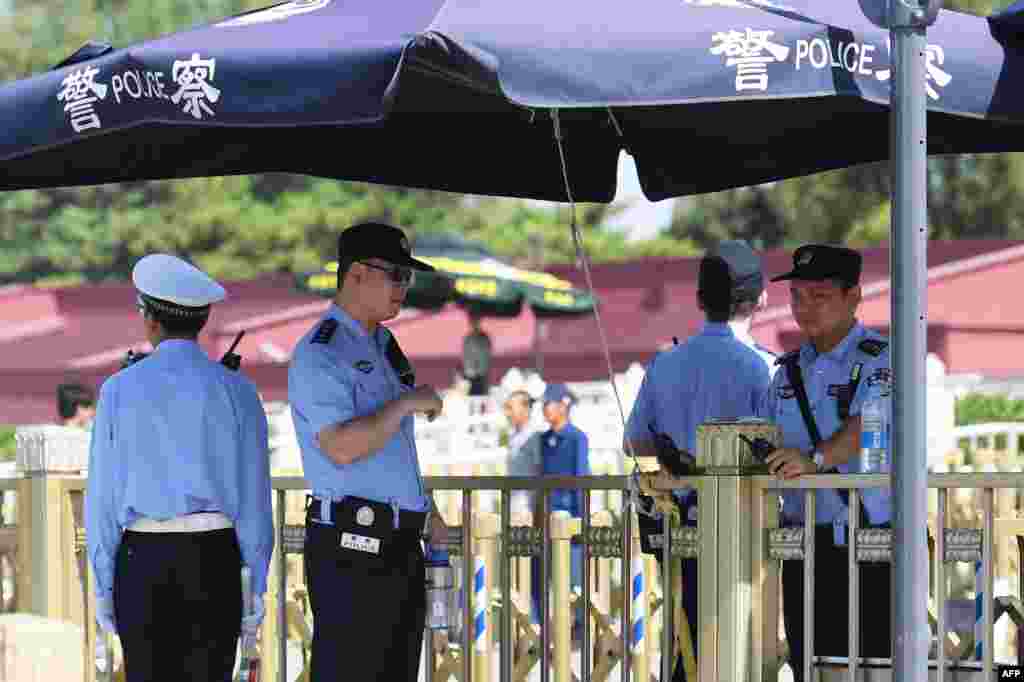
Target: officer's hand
788	463
251	622
426	400
438	531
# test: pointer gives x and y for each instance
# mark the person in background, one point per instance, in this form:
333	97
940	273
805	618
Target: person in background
476	357
76	405
524	458
565	451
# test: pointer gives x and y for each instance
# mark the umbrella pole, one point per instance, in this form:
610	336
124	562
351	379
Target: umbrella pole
908	20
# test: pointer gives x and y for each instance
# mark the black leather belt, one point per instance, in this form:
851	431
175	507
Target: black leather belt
408	521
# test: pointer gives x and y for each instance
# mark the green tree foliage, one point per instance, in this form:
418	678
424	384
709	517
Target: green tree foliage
7	444
981	408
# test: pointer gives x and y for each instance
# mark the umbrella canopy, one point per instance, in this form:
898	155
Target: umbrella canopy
453	95
468	274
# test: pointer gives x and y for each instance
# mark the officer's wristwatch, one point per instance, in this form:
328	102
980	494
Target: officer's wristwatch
819	460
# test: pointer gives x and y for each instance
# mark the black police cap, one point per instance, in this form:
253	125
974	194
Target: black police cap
820	262
377	240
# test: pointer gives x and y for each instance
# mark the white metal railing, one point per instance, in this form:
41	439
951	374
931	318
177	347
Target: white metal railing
984	436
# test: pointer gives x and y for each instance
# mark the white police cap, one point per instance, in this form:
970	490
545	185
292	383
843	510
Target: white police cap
171	280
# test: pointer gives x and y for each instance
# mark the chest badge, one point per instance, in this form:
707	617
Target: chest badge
552	441
364	366
364	516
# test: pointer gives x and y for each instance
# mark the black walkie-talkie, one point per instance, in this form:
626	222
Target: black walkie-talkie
233	360
759	448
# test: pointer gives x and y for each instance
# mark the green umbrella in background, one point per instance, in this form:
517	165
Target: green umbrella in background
470	275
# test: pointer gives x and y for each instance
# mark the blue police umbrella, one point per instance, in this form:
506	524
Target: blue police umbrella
459	95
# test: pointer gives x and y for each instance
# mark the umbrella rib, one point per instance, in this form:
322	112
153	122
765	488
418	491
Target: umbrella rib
428	68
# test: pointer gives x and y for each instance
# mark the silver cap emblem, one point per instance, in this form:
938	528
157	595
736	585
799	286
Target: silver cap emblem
364	516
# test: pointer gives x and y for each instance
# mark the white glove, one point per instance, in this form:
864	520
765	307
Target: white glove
105	614
251	622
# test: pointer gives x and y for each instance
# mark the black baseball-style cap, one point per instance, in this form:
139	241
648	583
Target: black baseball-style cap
819	262
377	240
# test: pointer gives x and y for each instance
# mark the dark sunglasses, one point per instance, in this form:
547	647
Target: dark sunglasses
399	274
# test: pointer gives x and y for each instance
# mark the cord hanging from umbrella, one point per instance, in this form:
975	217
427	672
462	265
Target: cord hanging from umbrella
581	256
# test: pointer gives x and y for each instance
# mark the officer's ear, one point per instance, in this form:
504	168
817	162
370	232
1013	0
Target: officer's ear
855	294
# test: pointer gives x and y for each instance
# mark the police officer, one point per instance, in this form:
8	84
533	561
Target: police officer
815	399
712	375
178	494
750	294
353	397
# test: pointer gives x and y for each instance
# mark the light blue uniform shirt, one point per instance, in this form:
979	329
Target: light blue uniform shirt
334	378
178	433
766	355
823	376
709	376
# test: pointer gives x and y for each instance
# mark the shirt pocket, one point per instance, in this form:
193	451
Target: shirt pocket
371	394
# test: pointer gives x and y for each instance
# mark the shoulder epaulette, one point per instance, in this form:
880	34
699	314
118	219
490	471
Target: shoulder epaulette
788	357
873	347
325	331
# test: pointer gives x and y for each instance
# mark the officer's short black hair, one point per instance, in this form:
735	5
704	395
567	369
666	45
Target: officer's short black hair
176	326
71	396
714	288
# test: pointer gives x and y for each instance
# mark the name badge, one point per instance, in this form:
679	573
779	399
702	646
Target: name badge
360	543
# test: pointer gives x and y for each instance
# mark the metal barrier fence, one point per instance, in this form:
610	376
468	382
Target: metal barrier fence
53	577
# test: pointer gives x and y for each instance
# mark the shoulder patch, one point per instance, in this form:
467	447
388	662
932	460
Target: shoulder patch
873	347
791	356
325	331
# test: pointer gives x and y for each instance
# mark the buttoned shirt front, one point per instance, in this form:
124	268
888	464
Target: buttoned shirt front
339	376
178	433
824	375
711	375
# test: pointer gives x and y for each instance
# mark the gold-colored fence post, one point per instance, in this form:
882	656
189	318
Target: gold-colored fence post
521	579
651	577
764	584
40	554
563	528
272	628
485	536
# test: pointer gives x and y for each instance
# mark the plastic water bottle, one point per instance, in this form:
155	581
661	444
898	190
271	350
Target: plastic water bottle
874	436
439	588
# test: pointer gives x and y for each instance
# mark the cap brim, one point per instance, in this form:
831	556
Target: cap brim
410	262
792	274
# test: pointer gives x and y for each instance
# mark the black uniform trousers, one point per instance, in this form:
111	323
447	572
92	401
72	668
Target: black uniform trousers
369	611
178	605
831	608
